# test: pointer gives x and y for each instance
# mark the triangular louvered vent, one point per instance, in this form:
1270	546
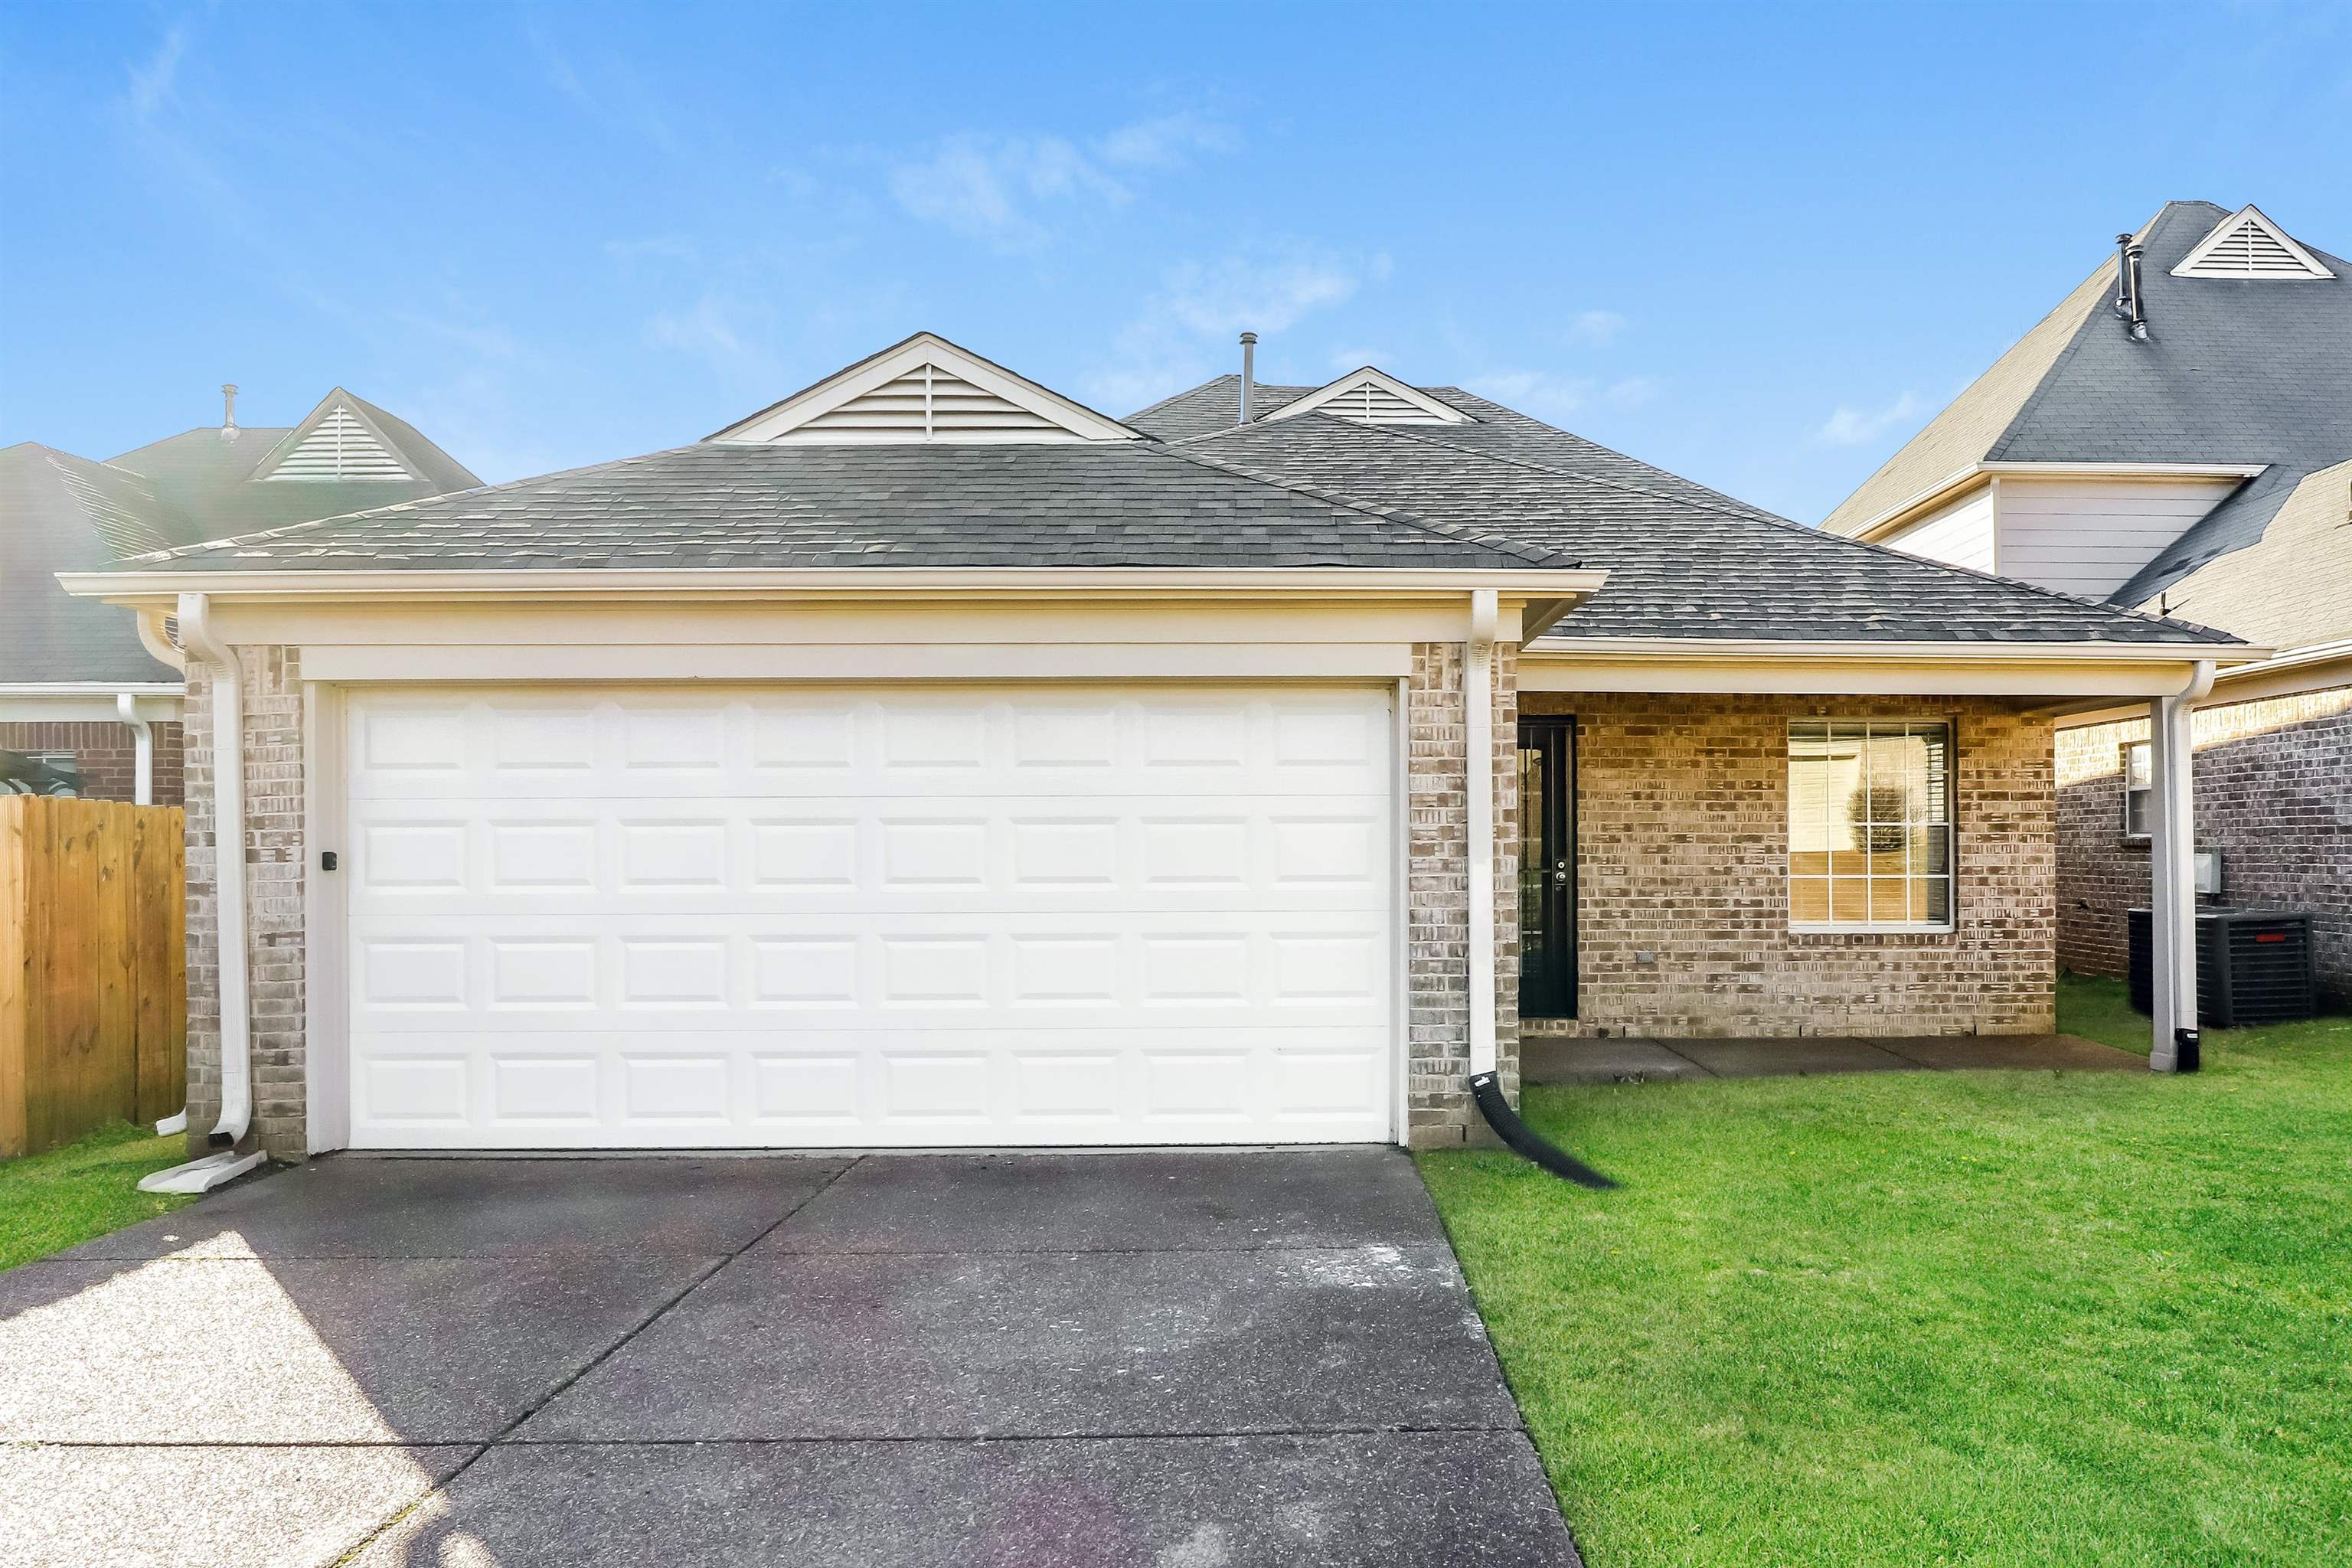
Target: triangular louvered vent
1378	405
925	403
1370	396
2248	245
339	448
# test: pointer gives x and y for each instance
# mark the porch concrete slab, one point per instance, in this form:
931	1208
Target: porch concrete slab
1971	1053
1603	1061
1800	1057
308	1350
368	1206
1049	1344
1300	1501
1076	1202
166	1507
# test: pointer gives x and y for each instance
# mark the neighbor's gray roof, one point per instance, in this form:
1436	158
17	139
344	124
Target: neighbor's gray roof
63	513
1313	490
59	512
2233	370
1677	568
785	505
2292	587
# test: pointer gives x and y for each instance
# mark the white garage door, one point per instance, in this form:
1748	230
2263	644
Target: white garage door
914	916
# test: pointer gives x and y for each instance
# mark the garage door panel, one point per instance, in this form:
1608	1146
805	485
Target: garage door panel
694	918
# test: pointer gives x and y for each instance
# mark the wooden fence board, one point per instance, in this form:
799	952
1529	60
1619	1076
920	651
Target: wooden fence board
93	1007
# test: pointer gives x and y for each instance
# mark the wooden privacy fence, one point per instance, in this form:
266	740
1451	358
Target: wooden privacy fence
93	968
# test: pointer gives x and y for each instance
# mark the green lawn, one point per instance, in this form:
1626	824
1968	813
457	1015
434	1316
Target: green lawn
1979	1319
85	1189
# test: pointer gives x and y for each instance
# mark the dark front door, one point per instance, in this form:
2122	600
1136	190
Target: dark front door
1547	867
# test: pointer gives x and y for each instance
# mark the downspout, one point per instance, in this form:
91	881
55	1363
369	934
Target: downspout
142	749
2174	1046
197	639
1478	785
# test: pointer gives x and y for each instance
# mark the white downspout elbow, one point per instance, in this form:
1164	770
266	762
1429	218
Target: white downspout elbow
228	866
142	748
1478	784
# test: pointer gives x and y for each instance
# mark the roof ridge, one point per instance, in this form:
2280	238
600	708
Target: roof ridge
1572	474
1500	544
292	528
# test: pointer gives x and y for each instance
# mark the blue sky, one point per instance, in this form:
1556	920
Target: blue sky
1758	246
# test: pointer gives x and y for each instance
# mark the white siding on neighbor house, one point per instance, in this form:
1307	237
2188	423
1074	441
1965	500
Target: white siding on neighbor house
1959	532
2088	536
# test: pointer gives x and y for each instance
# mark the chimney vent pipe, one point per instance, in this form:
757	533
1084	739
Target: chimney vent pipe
1249	372
228	411
2128	298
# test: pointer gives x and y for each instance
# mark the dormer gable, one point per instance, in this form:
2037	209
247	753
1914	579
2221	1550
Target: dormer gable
926	389
1371	396
338	442
2247	244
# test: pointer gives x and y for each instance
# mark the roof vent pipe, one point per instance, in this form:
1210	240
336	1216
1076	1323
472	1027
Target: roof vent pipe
2128	298
1249	372
228	411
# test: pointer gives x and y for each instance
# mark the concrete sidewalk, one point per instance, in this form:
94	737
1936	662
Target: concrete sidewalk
1649	1060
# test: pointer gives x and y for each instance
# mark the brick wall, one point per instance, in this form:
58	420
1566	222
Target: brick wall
2272	796
108	755
273	871
1682	840
1438	1107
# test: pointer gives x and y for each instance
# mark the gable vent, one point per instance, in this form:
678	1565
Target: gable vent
1375	404
339	448
2250	245
926	402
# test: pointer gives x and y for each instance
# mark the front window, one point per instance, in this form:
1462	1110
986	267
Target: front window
2136	782
1870	824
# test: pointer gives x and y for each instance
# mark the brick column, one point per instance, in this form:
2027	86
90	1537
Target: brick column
1439	1109
274	862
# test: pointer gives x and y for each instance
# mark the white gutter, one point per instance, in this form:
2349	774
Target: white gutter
1478	746
229	902
834	583
1868	652
142	748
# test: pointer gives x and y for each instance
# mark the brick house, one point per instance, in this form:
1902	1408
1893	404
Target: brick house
930	759
2175	438
90	697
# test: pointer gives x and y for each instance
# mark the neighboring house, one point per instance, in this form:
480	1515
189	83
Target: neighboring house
90	698
927	759
2199	467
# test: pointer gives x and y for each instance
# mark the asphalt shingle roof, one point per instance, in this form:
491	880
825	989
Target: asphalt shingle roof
1311	490
785	505
1677	568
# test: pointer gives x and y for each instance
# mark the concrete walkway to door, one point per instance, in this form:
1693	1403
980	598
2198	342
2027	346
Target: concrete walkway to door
1176	1357
1662	1060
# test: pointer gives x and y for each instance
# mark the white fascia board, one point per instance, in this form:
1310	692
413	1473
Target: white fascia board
1376	377
86	701
834	583
2038	670
855	381
1954	484
2320	666
2317	270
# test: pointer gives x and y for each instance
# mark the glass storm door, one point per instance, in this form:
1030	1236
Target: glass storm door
1547	867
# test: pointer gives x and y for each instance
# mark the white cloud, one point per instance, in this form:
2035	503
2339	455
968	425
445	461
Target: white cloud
1541	393
1595	327
1007	190
714	330
1633	391
156	83
1342	361
1166	142
1852	427
1187	329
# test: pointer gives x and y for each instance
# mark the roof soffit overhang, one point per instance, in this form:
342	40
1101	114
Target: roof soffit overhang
1067	419
2044	673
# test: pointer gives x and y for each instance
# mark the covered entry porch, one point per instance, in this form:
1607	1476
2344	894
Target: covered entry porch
1815	857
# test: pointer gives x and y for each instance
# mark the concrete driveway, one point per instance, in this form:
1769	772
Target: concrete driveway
1194	1360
